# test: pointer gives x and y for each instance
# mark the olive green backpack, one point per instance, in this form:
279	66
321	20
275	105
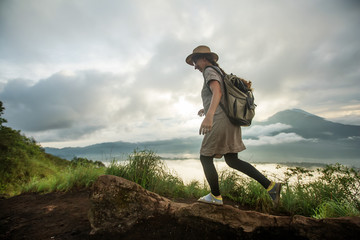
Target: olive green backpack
239	100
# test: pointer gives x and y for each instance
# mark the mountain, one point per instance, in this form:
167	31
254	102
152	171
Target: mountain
305	137
288	136
311	126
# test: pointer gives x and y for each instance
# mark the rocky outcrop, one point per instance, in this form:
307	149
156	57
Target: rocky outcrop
119	206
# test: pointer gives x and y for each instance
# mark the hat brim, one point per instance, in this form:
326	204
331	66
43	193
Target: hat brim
189	58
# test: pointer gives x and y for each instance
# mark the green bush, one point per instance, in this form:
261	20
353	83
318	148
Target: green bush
76	161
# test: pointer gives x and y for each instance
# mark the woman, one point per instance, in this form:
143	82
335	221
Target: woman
221	137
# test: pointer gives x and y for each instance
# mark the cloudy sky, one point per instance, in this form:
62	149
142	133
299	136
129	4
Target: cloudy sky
74	73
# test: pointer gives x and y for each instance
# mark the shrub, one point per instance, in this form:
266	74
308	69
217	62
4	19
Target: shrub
76	161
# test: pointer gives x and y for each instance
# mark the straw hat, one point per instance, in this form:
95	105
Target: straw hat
201	50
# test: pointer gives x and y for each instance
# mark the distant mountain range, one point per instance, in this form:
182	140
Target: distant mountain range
288	136
119	150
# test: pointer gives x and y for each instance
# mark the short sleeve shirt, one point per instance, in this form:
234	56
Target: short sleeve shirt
210	74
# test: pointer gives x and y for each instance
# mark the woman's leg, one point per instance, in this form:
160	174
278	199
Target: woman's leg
233	161
210	174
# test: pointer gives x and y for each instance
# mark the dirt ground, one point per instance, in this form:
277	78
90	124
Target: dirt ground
64	216
47	216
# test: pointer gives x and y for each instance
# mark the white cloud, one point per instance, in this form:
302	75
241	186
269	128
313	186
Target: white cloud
271	134
277	139
62	101
264	130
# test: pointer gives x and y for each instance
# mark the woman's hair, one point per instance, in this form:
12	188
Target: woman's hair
209	58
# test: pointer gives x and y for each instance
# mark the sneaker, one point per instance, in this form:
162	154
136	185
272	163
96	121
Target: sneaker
274	192
211	199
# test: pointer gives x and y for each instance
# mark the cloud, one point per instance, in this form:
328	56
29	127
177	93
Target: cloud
280	138
83	104
61	101
271	134
264	130
296	54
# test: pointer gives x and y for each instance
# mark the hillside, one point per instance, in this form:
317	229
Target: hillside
21	158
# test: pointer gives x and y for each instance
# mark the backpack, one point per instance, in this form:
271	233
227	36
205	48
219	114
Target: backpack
239	100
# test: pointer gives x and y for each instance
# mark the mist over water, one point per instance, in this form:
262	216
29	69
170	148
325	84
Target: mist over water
191	169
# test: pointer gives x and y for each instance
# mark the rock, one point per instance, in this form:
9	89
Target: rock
119	205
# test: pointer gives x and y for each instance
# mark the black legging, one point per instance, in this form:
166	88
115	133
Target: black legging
233	161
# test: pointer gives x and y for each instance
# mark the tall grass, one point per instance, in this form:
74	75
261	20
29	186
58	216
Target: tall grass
334	208
78	177
333	192
148	170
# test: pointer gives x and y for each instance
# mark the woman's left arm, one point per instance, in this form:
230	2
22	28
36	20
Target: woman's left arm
207	123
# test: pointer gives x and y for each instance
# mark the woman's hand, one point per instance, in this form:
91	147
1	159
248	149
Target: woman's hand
206	125
201	113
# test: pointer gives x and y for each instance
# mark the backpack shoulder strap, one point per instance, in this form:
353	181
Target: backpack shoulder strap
217	70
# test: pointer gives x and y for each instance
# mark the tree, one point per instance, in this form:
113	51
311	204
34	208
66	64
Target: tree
2	120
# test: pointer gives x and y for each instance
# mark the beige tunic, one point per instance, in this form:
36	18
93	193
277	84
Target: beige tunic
224	137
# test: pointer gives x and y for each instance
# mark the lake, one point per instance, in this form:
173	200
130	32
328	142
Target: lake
191	169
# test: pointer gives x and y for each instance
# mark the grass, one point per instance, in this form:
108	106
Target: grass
148	170
334	208
78	177
334	193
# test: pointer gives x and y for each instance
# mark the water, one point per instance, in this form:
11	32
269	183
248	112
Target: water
191	169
